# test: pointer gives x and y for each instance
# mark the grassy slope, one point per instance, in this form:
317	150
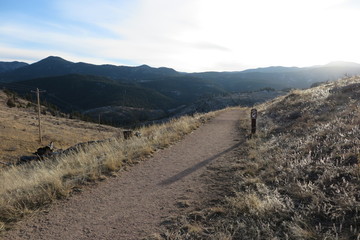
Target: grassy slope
297	179
19	130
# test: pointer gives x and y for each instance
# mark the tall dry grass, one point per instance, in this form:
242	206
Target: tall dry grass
27	188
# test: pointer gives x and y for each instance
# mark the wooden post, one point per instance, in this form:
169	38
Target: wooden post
253	115
39	111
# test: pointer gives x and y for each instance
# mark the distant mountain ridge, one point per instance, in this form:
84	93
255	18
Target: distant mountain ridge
9	66
56	66
281	77
272	69
248	80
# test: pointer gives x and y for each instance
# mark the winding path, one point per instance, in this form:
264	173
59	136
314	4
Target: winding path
134	204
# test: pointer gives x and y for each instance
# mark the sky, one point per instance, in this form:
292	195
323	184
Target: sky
187	35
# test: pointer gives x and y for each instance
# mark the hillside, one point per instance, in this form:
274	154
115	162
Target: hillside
297	178
184	89
244	99
126	116
19	130
84	92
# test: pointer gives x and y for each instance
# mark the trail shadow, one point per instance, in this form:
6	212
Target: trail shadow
196	167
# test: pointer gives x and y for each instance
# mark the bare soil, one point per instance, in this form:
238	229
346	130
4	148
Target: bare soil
134	204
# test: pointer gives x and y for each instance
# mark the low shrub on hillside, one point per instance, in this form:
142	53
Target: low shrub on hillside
10	103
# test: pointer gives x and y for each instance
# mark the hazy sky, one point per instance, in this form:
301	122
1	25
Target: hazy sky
188	35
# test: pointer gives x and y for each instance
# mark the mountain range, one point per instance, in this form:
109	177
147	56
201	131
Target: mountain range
83	86
56	66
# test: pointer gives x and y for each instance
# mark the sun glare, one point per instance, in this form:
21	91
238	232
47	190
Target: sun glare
300	33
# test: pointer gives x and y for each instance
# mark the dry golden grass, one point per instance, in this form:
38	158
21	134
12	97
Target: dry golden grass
297	178
27	188
19	130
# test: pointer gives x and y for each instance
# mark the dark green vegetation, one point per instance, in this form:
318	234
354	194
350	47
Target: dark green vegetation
184	89
87	92
298	178
82	87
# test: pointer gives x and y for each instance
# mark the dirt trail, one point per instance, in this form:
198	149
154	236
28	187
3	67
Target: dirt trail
134	204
